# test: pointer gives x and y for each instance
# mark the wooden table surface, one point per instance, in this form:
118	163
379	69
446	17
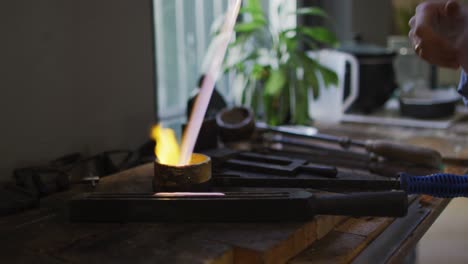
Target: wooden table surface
45	235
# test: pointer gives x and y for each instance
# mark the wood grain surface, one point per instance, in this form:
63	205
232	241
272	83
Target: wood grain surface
45	235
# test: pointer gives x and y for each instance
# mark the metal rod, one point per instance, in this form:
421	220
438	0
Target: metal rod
309	183
295	205
344	142
388	149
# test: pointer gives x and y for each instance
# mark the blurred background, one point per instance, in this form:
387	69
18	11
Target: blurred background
88	76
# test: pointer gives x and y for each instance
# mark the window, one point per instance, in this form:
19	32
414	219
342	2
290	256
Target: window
182	38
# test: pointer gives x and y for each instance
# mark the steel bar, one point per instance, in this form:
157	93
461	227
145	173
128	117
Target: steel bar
308	183
233	207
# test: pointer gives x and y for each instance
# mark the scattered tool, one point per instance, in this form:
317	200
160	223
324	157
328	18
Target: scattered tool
233	206
237	123
438	185
442	185
240	118
298	148
276	165
329	184
283	170
387	149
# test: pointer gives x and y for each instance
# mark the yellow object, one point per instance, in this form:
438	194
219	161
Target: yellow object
167	148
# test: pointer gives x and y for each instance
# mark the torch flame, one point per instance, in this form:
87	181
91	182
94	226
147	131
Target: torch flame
167	148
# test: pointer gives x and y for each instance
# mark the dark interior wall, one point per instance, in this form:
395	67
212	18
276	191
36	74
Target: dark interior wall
75	76
373	20
370	19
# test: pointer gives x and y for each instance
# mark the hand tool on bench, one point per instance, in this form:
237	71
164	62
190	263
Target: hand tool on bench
277	165
298	148
385	148
442	185
232	180
259	206
250	169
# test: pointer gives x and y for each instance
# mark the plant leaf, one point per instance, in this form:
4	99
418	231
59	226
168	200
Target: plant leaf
329	76
250	10
312	11
311	79
253	4
259	71
289	42
255	9
312	45
319	34
301	114
311	67
248	27
310	74
275	83
245	91
269	104
257	14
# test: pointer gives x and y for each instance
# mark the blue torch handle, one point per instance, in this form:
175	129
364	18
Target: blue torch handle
442	185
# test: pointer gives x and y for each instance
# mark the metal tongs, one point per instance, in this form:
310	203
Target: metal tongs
387	149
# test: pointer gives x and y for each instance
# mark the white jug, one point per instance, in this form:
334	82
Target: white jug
330	106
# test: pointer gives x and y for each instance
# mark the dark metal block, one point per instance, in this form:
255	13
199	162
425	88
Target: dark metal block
234	207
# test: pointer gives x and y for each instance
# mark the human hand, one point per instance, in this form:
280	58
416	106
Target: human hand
438	32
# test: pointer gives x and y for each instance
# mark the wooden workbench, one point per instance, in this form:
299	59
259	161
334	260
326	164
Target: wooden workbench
45	235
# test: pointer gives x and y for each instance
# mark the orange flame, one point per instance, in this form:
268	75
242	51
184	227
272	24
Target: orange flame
167	148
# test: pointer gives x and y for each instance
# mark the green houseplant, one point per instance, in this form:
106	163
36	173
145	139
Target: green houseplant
271	68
